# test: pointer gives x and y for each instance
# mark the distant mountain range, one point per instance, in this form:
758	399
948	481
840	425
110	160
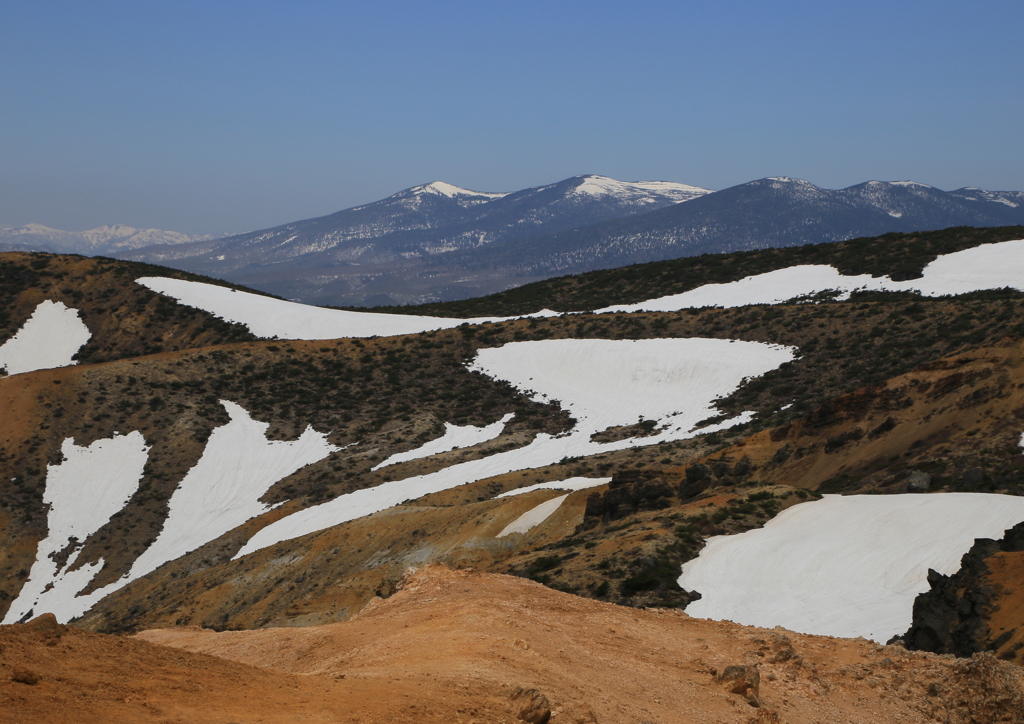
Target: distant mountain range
101	240
439	242
395	249
770	212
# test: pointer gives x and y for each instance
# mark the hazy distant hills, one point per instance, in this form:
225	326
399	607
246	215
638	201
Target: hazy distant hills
419	223
439	242
770	212
101	240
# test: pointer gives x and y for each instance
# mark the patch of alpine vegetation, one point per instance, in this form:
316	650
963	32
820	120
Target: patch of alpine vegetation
124	319
636	535
897	256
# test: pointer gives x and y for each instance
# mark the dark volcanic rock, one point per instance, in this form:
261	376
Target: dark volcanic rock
952	618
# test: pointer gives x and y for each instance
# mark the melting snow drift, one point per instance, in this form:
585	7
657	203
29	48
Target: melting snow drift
220	493
83	491
844	565
454	438
989	266
602	383
268	317
49	338
533	517
567	484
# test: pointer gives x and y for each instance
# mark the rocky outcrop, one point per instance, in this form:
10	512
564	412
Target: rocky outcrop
954	617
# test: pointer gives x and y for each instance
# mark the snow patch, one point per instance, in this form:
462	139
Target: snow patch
49	338
223	490
445	189
989	266
220	493
844	565
533	517
602	383
567	484
639	191
454	437
267	317
83	492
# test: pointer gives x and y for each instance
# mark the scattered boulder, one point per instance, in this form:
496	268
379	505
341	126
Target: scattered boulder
918	482
782	454
533	707
742	680
24	676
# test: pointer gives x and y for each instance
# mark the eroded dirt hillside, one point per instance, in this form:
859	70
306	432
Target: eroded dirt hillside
465	646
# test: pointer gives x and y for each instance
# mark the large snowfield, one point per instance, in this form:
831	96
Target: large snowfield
49	338
603	383
843	565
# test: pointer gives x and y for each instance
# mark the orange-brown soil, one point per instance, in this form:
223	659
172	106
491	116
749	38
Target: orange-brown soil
1006	622
455	646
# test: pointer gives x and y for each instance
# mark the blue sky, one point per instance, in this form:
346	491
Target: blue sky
230	116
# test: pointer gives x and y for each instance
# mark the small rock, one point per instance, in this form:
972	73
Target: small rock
24	676
918	481
742	680
534	707
47	625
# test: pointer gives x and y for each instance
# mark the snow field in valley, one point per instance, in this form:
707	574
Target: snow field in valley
844	565
602	383
218	494
49	338
267	317
533	517
989	266
455	437
83	492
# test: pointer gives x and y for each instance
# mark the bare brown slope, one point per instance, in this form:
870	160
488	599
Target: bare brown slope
958	419
84	678
478	638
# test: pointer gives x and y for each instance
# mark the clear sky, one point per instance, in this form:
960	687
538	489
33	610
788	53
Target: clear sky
223	116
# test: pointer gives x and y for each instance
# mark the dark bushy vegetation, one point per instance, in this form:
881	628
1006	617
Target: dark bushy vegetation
901	256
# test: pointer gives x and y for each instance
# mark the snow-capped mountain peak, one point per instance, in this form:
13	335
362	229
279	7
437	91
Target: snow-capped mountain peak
637	191
451	191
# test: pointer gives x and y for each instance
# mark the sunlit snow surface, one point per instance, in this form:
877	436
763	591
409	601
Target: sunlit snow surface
603	383
844	565
567	484
49	338
222	491
533	517
83	492
267	317
990	266
454	438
